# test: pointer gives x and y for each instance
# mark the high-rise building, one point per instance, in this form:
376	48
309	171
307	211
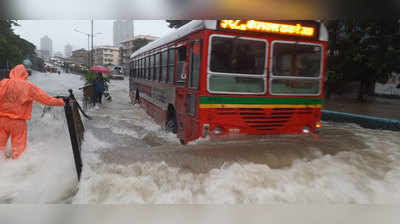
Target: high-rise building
68	51
46	47
123	29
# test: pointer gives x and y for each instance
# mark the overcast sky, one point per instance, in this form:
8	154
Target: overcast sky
62	31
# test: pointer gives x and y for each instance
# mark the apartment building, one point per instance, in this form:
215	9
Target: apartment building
107	55
128	47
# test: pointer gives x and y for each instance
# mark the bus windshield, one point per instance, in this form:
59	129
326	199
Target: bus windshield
298	60
237	65
296	69
238	56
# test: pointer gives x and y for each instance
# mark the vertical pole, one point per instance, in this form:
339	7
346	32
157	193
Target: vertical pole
92	44
88	50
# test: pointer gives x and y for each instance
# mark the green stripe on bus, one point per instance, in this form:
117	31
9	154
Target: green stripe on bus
257	100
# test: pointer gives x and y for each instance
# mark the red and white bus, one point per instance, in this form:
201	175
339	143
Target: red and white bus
221	77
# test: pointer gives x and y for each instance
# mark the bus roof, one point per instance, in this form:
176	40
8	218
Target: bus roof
196	25
181	32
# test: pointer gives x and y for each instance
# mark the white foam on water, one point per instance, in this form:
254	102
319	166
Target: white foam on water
363	176
199	141
369	176
45	172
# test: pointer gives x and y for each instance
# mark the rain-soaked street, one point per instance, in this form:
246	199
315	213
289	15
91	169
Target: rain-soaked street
130	159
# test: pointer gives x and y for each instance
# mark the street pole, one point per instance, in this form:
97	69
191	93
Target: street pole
88	49
91	52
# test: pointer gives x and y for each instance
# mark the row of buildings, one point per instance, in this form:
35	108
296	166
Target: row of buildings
118	54
109	55
46	49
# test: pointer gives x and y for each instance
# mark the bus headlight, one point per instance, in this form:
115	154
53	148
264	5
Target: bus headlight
217	130
318	125
307	130
206	130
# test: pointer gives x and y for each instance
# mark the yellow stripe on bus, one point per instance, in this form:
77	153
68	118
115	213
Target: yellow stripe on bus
204	106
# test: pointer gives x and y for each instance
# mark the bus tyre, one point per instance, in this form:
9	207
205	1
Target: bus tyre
171	126
182	141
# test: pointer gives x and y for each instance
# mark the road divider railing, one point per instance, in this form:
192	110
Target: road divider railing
365	121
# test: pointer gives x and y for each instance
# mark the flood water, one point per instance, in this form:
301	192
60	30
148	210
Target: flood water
130	159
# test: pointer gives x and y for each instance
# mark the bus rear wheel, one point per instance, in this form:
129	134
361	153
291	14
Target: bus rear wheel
171	126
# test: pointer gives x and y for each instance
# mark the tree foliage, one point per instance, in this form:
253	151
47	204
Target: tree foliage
139	43
177	23
364	51
13	49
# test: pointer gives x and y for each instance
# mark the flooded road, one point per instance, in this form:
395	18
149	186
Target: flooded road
130	159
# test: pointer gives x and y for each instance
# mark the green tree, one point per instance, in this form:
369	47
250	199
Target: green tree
13	49
177	23
139	43
364	51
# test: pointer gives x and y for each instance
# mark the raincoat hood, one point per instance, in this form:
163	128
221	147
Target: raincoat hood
19	73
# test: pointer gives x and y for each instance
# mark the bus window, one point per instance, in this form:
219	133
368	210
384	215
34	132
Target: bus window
142	70
181	65
300	60
195	65
139	67
131	69
191	104
151	67
146	70
148	67
157	67
135	70
296	69
164	65
171	65
238	56
154	66
237	65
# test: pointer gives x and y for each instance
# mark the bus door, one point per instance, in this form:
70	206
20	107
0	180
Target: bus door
190	94
181	89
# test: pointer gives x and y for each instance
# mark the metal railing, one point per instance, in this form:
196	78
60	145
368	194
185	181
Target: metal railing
88	96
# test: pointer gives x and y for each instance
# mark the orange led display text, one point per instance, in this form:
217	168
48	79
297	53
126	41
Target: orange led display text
268	27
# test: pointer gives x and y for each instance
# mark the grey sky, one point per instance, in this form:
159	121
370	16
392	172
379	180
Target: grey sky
62	31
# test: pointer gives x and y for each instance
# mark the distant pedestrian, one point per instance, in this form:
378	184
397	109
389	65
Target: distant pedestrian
98	84
137	97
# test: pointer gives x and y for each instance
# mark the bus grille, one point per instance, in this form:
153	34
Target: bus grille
264	119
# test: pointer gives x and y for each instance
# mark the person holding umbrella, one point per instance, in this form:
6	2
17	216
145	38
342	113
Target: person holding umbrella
98	84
